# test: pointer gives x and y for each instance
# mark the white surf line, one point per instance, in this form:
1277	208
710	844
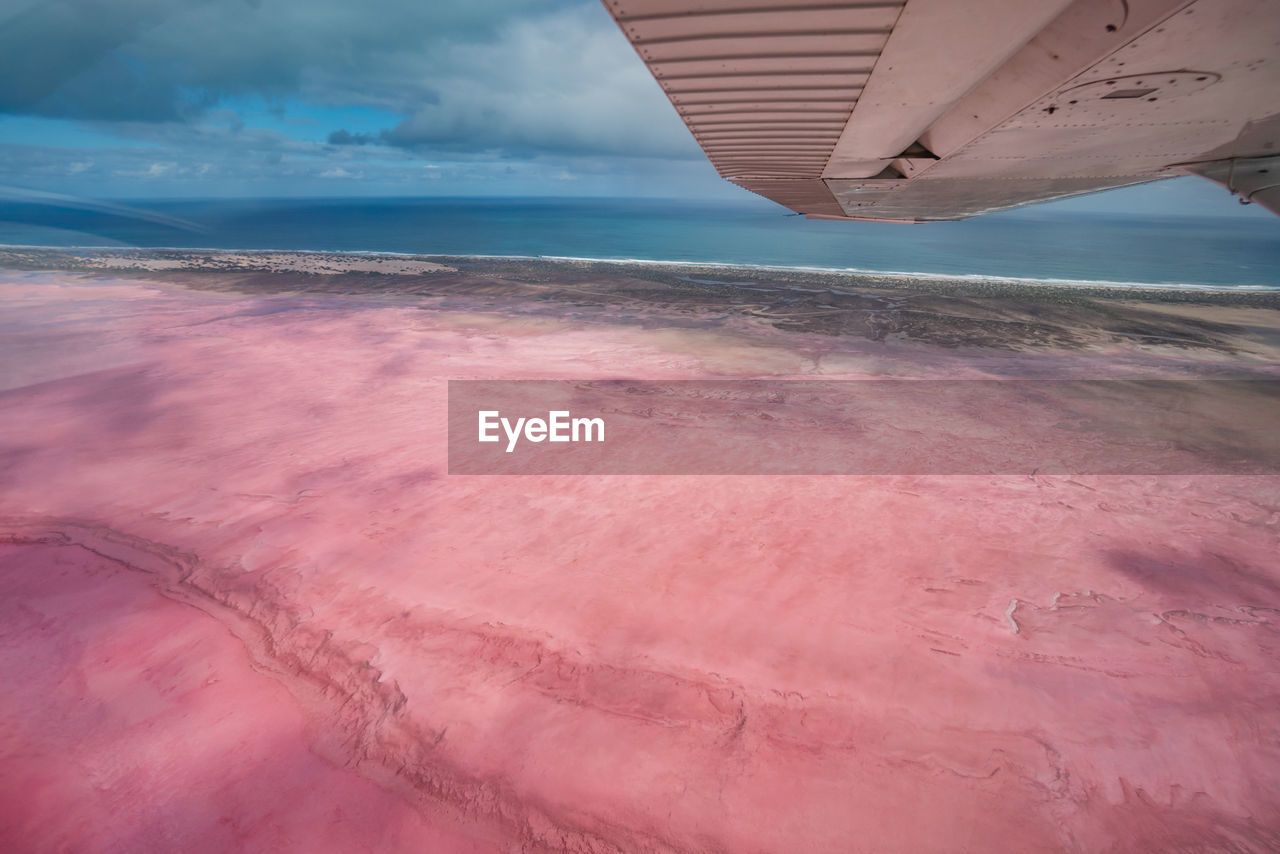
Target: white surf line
978	278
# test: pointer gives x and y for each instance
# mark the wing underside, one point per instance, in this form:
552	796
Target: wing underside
918	110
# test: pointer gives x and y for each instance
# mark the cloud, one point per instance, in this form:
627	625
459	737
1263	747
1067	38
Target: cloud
345	137
565	83
235	94
516	76
258	164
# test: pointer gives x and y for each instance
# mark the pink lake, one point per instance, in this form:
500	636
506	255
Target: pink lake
246	607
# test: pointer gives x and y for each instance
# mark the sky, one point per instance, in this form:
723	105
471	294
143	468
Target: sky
137	99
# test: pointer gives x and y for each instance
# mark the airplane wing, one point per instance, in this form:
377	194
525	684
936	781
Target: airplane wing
920	110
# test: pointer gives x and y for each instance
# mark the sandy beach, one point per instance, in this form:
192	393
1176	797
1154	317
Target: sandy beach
246	605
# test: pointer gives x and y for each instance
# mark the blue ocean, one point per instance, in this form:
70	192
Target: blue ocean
1024	244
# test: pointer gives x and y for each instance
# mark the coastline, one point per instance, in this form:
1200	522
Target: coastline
1008	316
167	259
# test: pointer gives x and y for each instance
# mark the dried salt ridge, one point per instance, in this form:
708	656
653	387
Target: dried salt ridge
602	664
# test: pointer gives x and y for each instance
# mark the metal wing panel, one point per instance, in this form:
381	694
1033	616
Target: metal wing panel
942	109
766	88
958	198
810	195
